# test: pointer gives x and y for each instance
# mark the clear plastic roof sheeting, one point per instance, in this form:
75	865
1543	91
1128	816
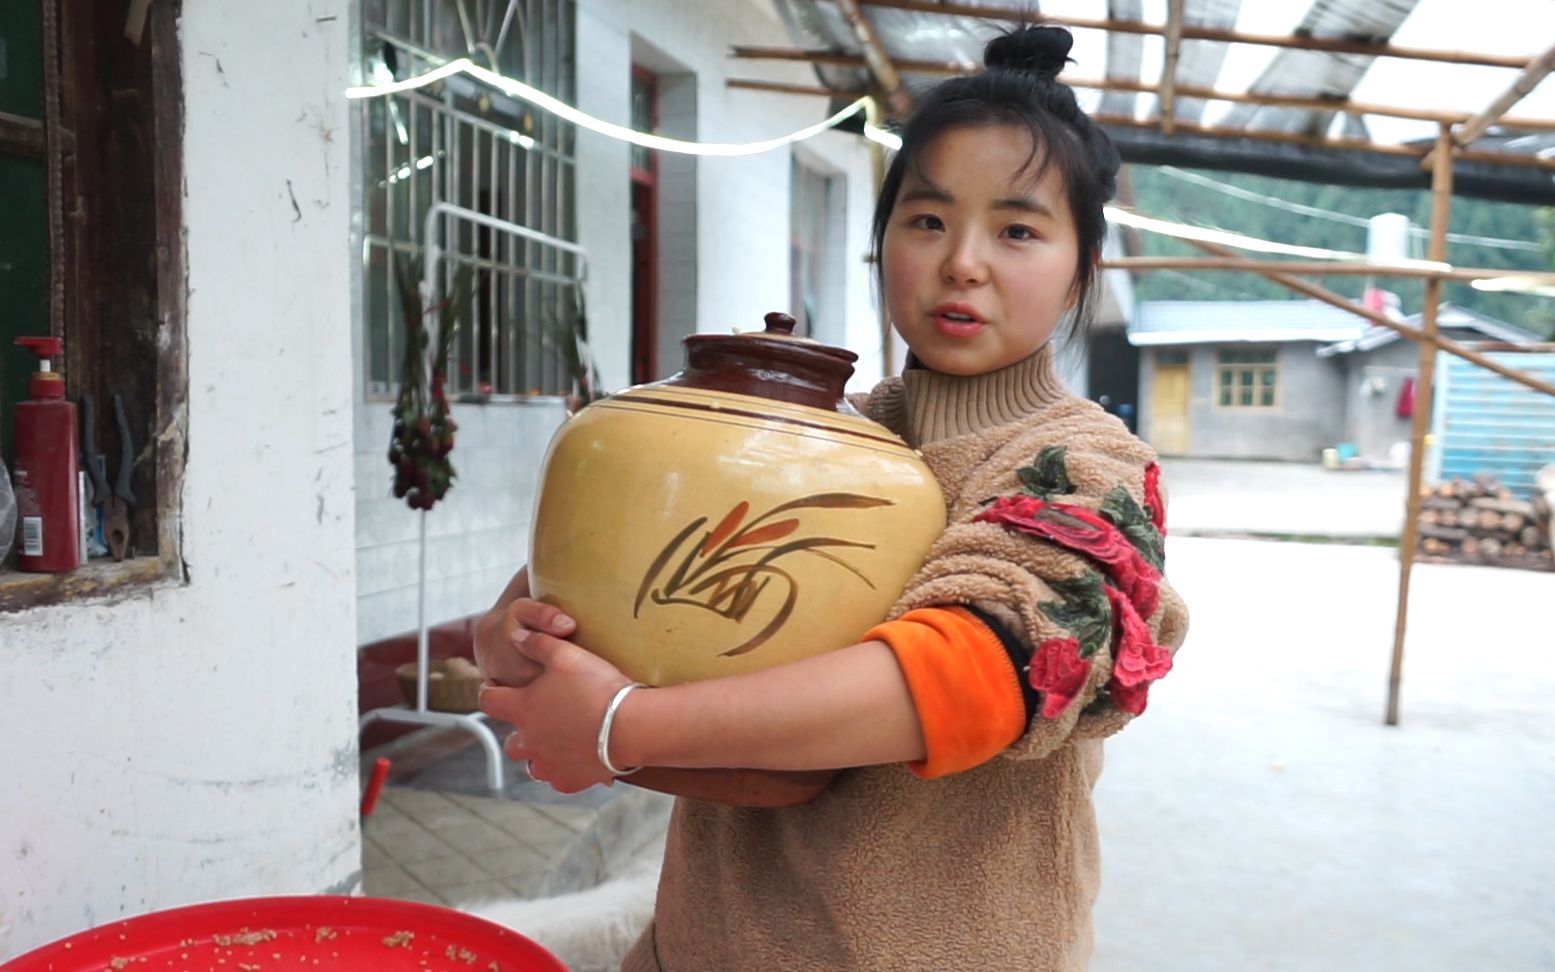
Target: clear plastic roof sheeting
1206	131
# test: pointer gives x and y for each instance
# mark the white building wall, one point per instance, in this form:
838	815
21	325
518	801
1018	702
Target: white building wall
726	251
476	538
197	740
742	204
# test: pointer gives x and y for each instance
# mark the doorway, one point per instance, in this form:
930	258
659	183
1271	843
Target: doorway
1169	404
645	231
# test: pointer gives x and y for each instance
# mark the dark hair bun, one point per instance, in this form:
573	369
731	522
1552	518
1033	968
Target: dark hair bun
1042	51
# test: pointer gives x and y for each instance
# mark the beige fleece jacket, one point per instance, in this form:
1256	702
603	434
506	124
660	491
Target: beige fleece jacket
995	868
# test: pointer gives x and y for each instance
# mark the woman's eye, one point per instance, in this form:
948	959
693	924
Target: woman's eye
928	221
1021	233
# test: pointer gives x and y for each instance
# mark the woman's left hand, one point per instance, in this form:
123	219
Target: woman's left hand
556	717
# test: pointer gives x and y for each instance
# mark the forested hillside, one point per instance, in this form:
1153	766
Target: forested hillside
1255	205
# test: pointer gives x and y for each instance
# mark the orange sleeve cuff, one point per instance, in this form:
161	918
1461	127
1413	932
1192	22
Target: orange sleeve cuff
963	684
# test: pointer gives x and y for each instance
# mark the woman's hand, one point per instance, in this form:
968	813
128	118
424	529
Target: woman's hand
496	652
556	714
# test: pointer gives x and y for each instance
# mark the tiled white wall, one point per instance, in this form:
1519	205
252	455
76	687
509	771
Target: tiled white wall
476	538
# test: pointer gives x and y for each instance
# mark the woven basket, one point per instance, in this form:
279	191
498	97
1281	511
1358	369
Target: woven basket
453	684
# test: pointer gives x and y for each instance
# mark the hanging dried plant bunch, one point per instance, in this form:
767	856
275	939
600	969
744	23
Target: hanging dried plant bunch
424	429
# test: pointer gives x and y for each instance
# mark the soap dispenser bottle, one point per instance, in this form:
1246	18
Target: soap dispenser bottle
46	476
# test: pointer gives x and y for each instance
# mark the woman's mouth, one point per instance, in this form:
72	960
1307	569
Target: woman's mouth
957	320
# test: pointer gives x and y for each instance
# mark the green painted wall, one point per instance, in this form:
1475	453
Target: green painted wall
24	277
21	58
24	239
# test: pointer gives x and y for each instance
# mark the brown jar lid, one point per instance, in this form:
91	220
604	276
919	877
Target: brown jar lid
773	363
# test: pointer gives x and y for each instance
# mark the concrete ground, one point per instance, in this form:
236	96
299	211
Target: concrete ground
1216	497
1261	816
439	836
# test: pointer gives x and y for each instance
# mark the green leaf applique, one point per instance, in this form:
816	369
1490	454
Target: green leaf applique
1131	519
1101	703
1084	611
1047	476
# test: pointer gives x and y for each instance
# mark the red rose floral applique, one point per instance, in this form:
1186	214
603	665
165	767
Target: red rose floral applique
1078	529
1153	504
1136	659
1122	542
1059	673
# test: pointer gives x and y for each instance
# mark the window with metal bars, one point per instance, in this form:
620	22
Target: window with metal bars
462	143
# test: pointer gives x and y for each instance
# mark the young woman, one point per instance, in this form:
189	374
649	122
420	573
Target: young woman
959	833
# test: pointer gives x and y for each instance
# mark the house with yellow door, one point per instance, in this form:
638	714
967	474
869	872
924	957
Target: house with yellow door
1281	379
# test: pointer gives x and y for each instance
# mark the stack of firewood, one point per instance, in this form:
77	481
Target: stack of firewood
1480	521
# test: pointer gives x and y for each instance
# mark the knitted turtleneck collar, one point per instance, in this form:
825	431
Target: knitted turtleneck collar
938	406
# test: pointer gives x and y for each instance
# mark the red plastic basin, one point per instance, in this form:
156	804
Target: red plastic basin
291	933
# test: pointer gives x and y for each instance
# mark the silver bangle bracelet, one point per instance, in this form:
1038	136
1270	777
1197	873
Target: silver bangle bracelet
604	730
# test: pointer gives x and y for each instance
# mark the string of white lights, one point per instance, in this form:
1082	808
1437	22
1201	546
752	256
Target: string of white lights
890	140
566	112
1254	244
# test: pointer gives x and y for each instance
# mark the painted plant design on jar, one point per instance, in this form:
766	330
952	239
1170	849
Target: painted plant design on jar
735	564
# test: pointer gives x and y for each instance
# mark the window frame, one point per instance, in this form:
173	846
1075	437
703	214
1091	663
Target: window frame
96	284
1253	364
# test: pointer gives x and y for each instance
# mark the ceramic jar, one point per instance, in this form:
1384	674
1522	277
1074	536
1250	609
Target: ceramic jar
738	515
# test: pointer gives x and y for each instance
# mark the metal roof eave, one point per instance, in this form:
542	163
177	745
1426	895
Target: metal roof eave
1340	166
1449	316
1144	339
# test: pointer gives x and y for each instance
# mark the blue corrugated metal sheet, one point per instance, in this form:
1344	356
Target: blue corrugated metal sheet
1485	423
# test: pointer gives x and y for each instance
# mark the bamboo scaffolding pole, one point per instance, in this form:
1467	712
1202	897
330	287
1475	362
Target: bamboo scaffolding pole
1441	200
1321	268
842	59
838	59
783	87
1182	91
1537	70
1194	32
879	61
1167	95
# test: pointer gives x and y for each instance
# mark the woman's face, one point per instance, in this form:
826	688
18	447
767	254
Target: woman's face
979	256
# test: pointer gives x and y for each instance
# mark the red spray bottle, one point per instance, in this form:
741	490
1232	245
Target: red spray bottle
47	472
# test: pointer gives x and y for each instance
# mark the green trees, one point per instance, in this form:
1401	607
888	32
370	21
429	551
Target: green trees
1184	196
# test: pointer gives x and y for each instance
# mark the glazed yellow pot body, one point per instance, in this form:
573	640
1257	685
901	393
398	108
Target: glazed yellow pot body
697	533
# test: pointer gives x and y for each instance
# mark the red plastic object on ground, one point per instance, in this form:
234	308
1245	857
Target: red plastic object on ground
308	932
48	491
375	786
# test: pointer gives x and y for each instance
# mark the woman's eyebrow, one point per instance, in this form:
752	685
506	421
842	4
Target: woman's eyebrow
1023	204
928	192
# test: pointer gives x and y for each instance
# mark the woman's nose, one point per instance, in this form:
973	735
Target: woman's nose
964	264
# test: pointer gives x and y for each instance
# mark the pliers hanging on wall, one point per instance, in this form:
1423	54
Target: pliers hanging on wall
115	505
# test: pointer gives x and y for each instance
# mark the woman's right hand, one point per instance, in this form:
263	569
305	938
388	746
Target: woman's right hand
495	653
